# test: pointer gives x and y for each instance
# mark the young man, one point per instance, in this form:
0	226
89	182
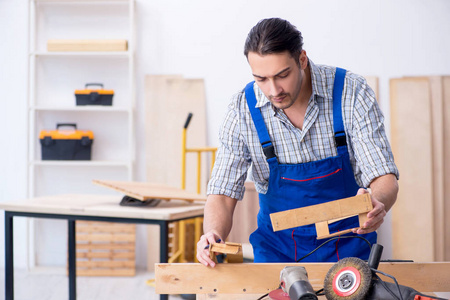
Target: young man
311	134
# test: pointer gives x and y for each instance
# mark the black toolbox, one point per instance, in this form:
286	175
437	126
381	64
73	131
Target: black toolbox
66	144
94	96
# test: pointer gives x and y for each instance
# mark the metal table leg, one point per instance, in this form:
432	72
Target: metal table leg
9	257
72	261
163	247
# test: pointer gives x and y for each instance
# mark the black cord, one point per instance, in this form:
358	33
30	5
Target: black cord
384	285
320	292
335	238
263	296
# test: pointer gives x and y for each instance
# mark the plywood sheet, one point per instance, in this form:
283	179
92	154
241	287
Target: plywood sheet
437	123
169	100
446	169
412	215
147	190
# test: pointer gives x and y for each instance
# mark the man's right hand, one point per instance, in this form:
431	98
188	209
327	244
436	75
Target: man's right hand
203	248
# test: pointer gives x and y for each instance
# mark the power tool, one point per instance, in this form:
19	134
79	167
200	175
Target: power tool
353	279
350	278
294	285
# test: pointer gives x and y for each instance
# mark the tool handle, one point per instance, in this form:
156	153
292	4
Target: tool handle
188	120
375	256
74	125
93	84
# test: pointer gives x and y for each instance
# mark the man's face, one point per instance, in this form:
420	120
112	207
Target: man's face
278	76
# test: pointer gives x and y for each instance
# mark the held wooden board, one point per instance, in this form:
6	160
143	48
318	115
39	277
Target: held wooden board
87	45
321	212
265	277
146	190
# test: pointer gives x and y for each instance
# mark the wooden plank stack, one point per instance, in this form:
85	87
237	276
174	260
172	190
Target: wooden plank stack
105	249
420	135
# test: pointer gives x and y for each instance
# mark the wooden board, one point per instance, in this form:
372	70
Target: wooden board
445	213
411	139
264	277
87	45
168	100
105	249
321	212
146	190
438	155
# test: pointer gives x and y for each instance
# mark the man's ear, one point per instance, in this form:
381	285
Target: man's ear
303	59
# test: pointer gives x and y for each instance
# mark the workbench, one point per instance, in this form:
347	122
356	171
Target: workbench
252	280
90	208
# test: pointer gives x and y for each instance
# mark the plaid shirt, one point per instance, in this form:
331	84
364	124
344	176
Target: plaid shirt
240	148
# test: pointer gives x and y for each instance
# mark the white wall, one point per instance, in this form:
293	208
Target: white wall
204	39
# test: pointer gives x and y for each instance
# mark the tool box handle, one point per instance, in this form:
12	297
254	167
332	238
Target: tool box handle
74	125
95	84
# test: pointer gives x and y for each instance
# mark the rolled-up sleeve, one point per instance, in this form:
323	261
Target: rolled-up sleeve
371	148
233	158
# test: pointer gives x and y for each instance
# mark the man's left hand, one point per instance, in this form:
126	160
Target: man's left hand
375	216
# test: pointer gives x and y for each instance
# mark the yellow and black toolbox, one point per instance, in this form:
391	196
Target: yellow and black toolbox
94	96
66	144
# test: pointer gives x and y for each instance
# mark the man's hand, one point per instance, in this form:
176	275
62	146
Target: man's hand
203	248
384	191
375	216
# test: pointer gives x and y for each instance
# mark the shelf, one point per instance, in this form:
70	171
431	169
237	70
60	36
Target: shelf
80	163
87	108
81	1
118	54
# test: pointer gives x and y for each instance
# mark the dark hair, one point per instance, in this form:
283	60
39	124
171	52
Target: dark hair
274	35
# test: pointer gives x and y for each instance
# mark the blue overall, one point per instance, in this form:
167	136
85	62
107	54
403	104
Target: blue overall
297	185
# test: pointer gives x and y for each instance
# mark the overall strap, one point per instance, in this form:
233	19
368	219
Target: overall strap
258	120
338	124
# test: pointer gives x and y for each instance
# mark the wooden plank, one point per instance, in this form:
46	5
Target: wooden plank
106	254
111	264
147	190
102	246
128	228
106	237
322	228
95	237
438	155
168	100
86	45
106	272
321	212
261	278
445	205
411	139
